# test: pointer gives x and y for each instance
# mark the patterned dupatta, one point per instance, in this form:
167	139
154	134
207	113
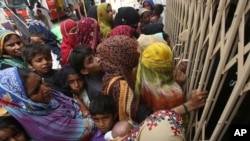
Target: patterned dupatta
154	80
59	120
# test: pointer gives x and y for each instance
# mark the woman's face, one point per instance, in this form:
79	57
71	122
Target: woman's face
12	133
13	46
37	90
109	11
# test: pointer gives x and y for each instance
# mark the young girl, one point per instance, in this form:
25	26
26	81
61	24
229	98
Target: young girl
76	85
149	4
144	18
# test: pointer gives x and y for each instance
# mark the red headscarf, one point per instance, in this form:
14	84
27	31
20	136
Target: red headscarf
89	32
122	30
69	41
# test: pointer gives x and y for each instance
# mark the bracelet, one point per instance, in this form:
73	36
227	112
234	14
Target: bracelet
185	107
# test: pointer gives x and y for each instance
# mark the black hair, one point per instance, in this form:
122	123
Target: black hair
68	70
23	74
153	28
7	37
78	55
11	123
158	9
102	104
39	10
29	51
63	83
37	34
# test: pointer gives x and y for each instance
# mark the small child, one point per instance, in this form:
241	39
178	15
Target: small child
38	57
120	129
104	113
38	37
43	18
85	62
144	18
76	84
11	129
157	18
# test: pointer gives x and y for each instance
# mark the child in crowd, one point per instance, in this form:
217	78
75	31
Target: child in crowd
11	129
76	85
38	37
43	18
149	4
38	57
104	113
157	18
144	18
120	129
84	61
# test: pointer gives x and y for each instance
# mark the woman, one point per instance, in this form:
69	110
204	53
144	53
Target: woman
69	32
118	55
155	80
45	114
89	32
162	125
105	18
124	30
10	50
127	16
156	85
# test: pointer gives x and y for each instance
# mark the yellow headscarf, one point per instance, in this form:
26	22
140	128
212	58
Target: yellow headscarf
3	34
154	81
104	20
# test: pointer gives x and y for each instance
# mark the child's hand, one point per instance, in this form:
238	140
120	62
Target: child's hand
83	107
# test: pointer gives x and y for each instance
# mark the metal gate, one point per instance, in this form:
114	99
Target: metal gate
214	35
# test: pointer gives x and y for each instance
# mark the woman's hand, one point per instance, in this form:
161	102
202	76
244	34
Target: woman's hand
197	99
179	77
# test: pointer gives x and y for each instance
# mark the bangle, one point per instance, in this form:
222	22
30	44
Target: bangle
185	107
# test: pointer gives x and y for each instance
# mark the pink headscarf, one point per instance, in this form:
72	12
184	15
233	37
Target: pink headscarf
89	32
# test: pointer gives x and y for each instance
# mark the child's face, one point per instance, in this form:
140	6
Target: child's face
12	133
42	63
147	5
92	65
145	18
35	39
76	83
104	122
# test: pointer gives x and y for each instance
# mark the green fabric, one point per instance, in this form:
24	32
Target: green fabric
12	61
104	20
56	30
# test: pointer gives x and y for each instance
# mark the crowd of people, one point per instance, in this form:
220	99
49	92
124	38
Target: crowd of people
111	78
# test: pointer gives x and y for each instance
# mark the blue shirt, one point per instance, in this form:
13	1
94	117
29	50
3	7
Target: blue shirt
97	136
